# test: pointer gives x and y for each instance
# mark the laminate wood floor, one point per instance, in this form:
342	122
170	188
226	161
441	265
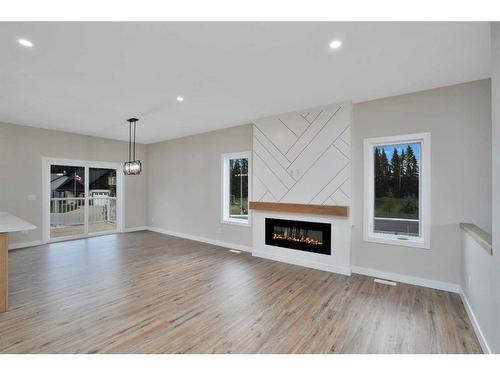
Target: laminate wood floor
146	292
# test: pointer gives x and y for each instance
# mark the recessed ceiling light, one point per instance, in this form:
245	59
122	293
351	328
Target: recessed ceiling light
334	44
25	43
180	99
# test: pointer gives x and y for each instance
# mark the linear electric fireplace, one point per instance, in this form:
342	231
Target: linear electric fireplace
299	235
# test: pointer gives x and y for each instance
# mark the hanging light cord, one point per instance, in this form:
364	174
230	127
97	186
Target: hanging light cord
129	140
134	139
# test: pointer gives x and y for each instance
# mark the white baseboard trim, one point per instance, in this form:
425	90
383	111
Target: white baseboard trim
304	263
475	324
21	245
201	239
136	229
434	284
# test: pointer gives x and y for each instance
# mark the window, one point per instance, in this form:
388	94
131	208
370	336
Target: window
235	188
397	190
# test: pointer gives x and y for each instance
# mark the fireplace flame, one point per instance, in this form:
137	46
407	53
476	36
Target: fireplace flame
301	239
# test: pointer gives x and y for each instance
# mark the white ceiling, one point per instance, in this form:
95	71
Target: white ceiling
89	78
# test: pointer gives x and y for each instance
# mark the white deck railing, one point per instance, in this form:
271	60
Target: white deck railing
71	211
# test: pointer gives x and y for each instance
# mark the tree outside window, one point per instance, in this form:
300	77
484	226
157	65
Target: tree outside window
236	188
238	182
397	187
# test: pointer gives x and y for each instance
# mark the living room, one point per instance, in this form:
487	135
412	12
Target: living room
249	187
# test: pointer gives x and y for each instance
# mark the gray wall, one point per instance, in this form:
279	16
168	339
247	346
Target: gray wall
459	120
185	189
492	331
21	152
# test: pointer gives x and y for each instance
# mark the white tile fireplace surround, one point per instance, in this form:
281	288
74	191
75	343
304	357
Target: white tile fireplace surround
304	157
340	259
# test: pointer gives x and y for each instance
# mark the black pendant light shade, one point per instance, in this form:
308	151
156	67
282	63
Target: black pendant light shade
132	166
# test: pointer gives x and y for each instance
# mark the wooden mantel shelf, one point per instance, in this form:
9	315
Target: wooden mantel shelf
313	209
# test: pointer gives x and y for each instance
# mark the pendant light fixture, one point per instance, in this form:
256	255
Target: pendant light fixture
132	166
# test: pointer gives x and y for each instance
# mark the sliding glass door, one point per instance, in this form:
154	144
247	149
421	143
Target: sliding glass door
83	199
102	200
67	200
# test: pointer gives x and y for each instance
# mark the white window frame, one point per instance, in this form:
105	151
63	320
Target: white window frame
225	158
424	240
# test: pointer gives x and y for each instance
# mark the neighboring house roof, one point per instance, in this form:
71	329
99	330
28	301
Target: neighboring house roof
56	181
68	184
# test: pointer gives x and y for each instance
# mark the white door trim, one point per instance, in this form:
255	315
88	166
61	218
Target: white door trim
120	204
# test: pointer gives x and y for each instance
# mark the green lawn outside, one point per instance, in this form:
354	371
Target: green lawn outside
235	207
393	208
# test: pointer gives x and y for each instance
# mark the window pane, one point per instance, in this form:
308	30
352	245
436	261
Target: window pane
102	199
67	200
238	189
397	189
